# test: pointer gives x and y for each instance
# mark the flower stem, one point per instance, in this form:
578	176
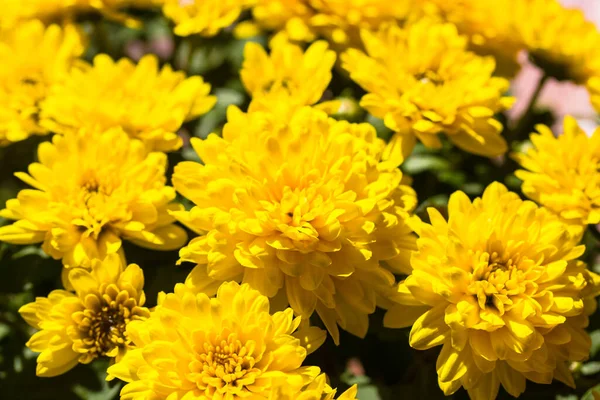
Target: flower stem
524	123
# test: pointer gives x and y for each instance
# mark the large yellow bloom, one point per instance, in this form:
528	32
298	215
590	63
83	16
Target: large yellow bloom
204	17
228	347
304	210
289	77
91	190
498	286
562	173
79	327
558	39
148	103
422	81
33	58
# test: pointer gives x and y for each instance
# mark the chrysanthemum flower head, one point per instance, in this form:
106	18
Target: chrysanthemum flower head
90	191
339	21
90	323
423	82
489	26
318	389
53	11
203	17
562	173
288	77
558	39
342	20
289	17
304	209
148	103
226	347
498	286
33	58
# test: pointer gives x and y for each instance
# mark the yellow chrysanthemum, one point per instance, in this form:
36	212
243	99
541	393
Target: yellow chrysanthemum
228	347
558	39
17	11
204	17
422	81
33	58
92	190
562	173
303	209
337	20
489	26
291	17
289	77
148	103
318	389
498	286
90	323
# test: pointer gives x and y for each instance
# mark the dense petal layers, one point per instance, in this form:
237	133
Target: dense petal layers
489	26
339	21
204	17
17	11
90	190
79	327
498	286
561	173
148	103
422	81
303	209
300	77
33	58
226	347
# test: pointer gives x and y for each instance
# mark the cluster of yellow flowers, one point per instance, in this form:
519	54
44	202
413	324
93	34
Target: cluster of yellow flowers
298	214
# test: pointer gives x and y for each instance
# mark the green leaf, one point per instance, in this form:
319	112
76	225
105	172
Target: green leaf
590	368
589	395
425	162
368	392
595	336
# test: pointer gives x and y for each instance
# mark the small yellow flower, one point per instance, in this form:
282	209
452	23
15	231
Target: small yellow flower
203	17
90	191
558	39
33	58
489	26
288	77
290	17
303	208
227	347
90	323
17	11
148	103
318	389
422	81
562	173
499	287
342	20
337	20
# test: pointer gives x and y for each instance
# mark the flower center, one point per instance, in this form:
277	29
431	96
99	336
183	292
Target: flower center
91	184
224	365
496	280
101	324
429	77
107	328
